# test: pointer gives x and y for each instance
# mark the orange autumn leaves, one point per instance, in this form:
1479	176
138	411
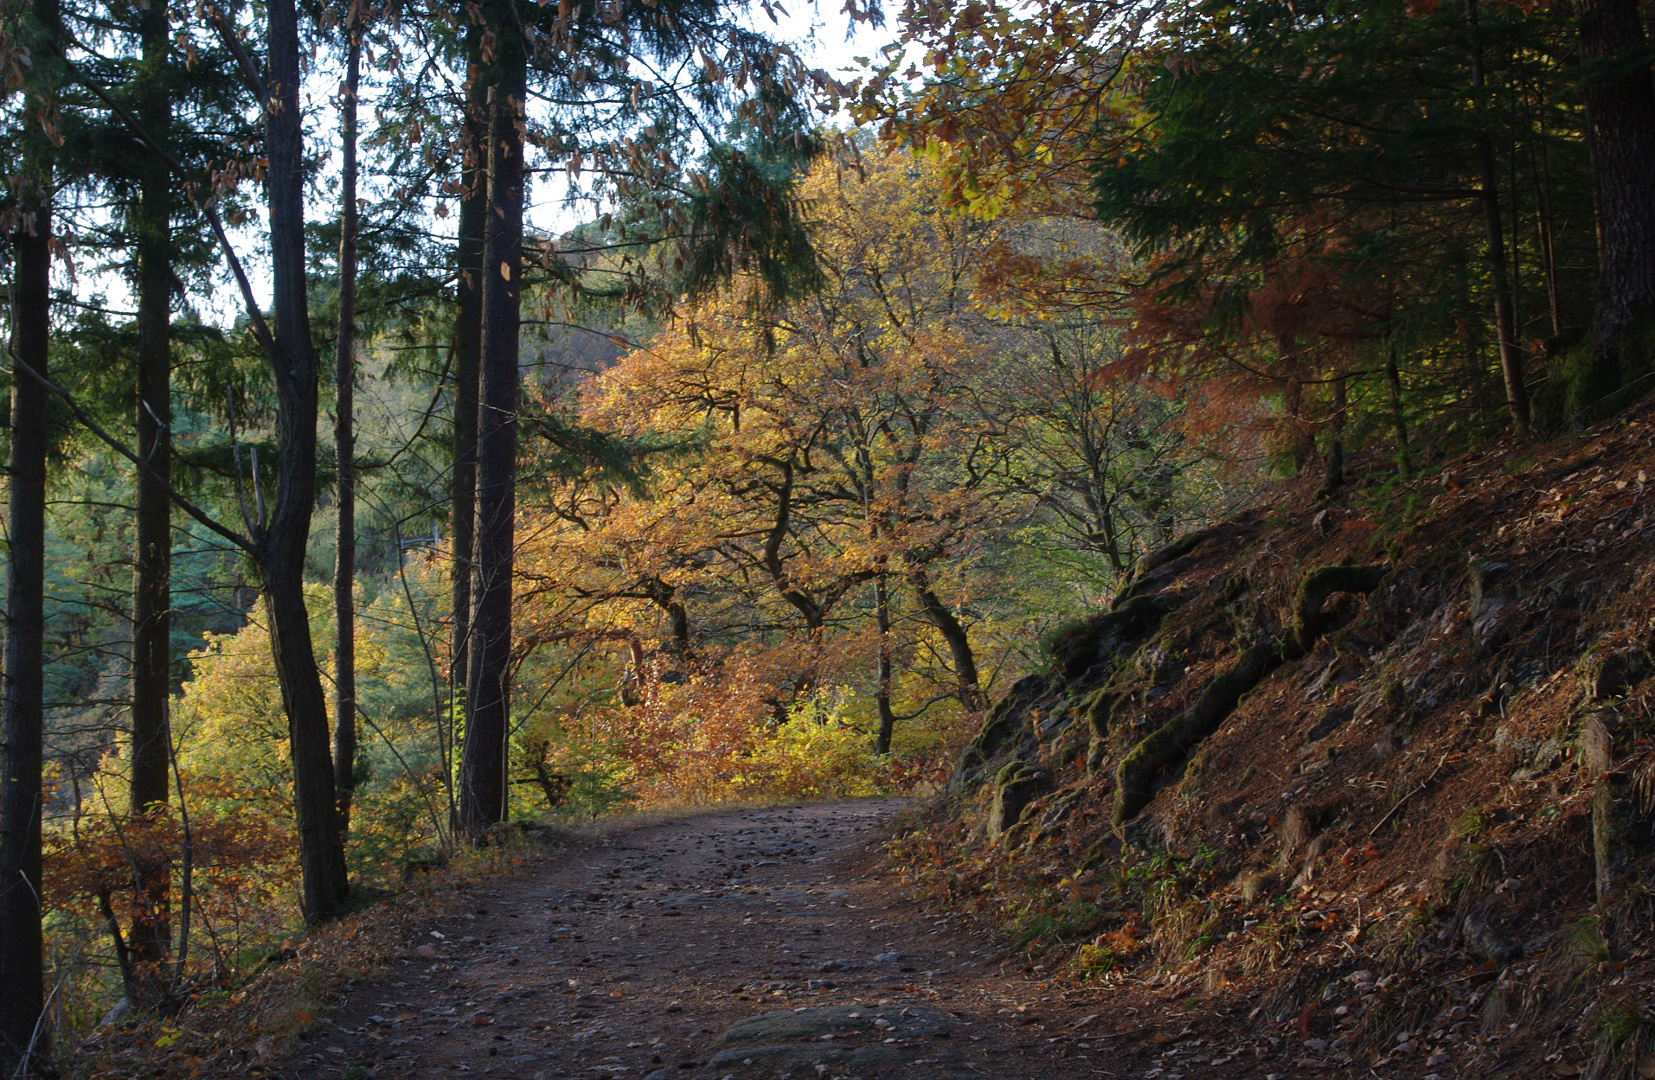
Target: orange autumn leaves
832	451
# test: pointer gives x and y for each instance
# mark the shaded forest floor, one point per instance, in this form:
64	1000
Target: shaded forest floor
755	943
759	943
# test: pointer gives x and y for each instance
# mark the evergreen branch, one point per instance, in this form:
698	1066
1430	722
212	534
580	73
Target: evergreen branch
119	447
261	330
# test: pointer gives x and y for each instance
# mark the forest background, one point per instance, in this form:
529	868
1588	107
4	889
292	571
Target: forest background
761	481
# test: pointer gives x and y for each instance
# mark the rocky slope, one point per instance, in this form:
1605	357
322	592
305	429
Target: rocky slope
1371	774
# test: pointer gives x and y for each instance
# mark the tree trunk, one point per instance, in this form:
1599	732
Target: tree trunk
344	451
150	939
1505	321
468	344
959	643
1301	436
1333	465
22	709
1505	324
282	544
488	692
321	848
1540	169
882	617
1399	420
1620	136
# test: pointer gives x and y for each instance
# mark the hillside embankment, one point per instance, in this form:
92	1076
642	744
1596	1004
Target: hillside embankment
1363	782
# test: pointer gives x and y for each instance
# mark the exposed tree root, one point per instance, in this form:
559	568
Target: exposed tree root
1135	776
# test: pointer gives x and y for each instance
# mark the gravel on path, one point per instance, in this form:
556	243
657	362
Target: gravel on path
755	944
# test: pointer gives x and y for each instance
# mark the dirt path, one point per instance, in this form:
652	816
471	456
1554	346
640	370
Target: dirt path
751	944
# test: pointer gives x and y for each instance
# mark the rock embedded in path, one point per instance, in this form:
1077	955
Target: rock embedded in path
899	1021
818	1036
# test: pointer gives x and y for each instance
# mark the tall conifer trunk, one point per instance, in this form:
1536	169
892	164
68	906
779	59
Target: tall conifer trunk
22	706
282	542
468	344
150	938
488	691
344	449
1505	318
1620	136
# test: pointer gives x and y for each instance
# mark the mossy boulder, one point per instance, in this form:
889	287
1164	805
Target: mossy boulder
1598	380
1002	730
1078	647
1309	619
1151	561
1607	673
1098	710
1015	786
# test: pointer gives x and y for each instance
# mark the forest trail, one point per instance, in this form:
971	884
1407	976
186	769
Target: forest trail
659	953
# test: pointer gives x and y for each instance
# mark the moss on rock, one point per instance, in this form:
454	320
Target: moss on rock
1079	646
1001	730
1015	786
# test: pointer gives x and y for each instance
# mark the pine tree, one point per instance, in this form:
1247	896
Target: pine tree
24	1035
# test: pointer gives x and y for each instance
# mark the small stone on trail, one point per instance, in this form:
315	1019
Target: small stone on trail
906	1021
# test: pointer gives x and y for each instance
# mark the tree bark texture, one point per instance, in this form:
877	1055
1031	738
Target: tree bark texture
344	450
468	345
150	939
1399	419
1620	137
282	542
488	691
22	706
